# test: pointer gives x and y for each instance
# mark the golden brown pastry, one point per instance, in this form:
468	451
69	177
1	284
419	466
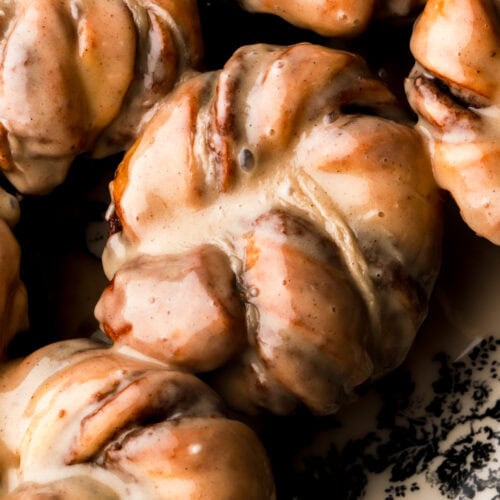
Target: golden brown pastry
81	421
201	280
13	299
333	17
72	488
454	88
280	209
83	76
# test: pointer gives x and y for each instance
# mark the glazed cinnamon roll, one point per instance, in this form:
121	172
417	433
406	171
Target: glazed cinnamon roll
78	420
13	300
84	76
277	218
333	17
454	88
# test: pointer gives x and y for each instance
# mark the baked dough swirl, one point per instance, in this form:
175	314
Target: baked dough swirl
333	17
79	420
83	76
279	216
455	89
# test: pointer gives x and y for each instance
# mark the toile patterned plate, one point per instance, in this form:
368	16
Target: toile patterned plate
430	430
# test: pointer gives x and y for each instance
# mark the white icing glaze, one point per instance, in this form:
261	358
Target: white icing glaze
123	425
457	46
83	76
272	134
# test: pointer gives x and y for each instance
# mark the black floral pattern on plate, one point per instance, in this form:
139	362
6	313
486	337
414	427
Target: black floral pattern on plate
451	440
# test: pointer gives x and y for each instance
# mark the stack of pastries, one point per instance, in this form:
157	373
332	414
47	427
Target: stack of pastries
274	226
